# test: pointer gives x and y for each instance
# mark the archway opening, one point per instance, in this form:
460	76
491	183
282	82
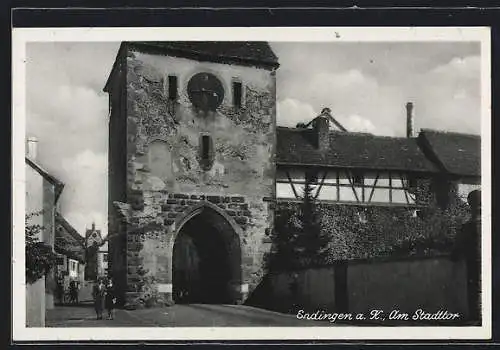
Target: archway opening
206	260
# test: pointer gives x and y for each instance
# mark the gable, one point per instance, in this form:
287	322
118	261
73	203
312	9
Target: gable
456	153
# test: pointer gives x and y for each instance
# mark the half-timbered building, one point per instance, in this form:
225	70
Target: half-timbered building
349	167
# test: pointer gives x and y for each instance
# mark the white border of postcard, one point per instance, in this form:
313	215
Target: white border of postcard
317	34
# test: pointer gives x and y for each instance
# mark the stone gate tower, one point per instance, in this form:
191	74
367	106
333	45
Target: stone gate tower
192	134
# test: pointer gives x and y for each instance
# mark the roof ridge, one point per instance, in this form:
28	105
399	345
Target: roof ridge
348	133
449	132
68	226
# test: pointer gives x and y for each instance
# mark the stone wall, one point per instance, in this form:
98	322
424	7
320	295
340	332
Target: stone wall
165	179
431	284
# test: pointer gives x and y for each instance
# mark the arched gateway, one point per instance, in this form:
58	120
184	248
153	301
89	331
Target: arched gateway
206	259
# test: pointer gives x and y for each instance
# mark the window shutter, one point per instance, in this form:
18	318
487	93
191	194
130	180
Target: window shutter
207	152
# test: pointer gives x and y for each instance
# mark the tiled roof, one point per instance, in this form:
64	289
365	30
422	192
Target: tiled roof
455	153
68	241
351	150
255	53
59	185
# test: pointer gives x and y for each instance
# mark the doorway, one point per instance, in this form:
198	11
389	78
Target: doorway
206	260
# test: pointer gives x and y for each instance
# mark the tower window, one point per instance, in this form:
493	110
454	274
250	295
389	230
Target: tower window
172	87
237	90
205	144
206	152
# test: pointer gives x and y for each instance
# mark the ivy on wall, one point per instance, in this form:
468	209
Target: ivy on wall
40	258
365	232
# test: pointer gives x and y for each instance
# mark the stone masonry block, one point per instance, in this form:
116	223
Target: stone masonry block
134	260
241	220
166	207
137	205
181	196
133	278
244	206
169	222
220	205
195	196
134	246
233	206
179	209
172	215
246	213
135	192
172	201
226	199
237	199
214	199
231	212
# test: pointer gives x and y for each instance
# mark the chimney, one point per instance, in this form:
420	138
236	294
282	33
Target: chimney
321	126
31	145
93	226
409	119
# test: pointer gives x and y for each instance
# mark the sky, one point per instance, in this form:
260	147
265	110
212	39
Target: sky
366	86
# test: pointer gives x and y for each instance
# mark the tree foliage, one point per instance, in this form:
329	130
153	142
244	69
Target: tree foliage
313	241
298	240
40	258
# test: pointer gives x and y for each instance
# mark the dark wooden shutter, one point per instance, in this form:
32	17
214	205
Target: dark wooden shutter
237	91
207	153
172	87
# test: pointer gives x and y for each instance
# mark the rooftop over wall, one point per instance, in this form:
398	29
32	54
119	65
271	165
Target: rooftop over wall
257	53
68	241
295	146
456	153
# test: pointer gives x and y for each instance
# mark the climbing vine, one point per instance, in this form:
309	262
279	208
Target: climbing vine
40	258
365	232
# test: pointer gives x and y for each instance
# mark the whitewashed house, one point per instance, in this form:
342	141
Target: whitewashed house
42	193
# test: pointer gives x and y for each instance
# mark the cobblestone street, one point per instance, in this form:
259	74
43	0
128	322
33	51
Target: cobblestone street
193	315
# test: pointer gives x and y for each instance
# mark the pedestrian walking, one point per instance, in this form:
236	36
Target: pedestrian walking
73	292
99	293
110	299
60	291
468	248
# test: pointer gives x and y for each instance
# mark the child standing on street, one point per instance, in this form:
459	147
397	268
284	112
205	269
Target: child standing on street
110	299
99	294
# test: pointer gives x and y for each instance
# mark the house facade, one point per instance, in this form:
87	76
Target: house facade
102	259
377	193
70	247
42	193
93	243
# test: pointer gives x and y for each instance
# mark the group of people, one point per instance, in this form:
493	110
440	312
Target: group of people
104	297
70	296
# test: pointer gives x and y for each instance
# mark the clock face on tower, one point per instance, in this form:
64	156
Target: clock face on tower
205	91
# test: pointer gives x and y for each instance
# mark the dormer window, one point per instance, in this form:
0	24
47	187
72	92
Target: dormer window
237	94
